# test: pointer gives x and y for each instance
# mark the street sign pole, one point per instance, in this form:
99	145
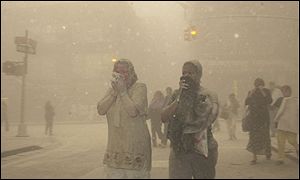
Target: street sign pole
22	129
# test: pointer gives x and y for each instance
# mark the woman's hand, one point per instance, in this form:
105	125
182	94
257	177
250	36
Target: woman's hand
120	85
114	91
114	86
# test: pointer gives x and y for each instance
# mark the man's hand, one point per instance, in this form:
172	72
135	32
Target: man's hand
183	85
261	90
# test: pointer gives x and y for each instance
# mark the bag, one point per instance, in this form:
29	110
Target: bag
246	121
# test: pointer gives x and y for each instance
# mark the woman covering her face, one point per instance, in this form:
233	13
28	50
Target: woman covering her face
258	100
128	152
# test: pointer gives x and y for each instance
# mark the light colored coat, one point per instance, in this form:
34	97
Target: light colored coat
276	93
129	145
288	115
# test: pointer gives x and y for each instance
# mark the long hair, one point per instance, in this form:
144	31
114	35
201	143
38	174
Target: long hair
132	77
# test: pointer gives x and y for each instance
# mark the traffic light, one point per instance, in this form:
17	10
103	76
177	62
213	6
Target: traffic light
193	33
14	68
190	33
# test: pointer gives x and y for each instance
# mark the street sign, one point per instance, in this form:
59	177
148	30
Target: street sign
24	40
25	49
14	68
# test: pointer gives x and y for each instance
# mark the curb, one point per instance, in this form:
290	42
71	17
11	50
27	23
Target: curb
60	123
19	150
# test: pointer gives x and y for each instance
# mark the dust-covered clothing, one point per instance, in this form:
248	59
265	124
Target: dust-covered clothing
128	145
282	137
288	115
259	135
195	144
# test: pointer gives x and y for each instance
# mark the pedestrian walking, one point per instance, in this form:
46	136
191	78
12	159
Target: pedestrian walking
49	117
233	107
287	122
258	101
154	114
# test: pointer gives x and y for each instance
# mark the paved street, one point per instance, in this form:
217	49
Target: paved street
76	151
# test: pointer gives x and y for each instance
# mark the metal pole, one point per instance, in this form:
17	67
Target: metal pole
22	129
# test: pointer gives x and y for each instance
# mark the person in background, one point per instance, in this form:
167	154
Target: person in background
287	122
276	94
154	114
166	124
233	106
258	101
49	116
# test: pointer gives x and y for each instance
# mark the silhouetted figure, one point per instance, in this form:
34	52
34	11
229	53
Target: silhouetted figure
49	115
168	99
233	106
154	114
258	100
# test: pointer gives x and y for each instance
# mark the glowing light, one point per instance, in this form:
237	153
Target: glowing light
114	60
193	32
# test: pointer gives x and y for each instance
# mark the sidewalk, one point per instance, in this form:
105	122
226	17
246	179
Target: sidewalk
290	152
60	122
11	144
37	138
